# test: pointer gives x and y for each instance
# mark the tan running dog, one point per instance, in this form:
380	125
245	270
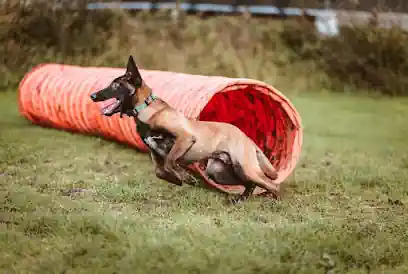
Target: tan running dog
194	141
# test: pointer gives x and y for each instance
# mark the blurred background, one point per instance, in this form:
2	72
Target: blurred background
351	44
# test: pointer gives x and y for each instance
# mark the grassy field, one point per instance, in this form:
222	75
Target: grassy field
343	211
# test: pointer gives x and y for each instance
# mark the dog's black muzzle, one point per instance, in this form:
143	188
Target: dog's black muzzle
94	96
101	95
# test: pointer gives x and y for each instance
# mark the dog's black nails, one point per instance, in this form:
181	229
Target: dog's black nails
235	200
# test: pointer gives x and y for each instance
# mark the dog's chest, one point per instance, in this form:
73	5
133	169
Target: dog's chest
159	141
143	130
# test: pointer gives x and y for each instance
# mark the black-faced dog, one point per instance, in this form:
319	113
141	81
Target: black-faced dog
176	141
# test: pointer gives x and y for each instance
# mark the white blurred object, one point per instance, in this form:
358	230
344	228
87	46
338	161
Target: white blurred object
326	23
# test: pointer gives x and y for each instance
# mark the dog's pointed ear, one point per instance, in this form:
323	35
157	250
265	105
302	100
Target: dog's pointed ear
133	72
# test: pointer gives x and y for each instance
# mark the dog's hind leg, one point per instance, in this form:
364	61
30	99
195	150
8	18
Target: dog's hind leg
220	169
249	189
266	166
255	175
222	173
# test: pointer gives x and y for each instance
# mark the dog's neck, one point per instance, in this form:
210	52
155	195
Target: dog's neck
146	104
142	93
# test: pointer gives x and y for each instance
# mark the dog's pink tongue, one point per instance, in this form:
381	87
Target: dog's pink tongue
106	105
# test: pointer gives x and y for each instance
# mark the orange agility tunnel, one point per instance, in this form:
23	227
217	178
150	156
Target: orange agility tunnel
58	96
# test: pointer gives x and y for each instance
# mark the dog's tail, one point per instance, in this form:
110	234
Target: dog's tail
266	166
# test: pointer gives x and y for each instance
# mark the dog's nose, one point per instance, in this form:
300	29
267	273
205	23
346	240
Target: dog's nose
93	96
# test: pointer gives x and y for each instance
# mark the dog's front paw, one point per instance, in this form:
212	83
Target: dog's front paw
236	200
168	167
274	195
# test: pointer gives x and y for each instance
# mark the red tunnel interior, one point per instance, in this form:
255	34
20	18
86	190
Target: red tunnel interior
257	115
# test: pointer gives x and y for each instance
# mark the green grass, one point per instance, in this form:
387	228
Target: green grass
344	207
